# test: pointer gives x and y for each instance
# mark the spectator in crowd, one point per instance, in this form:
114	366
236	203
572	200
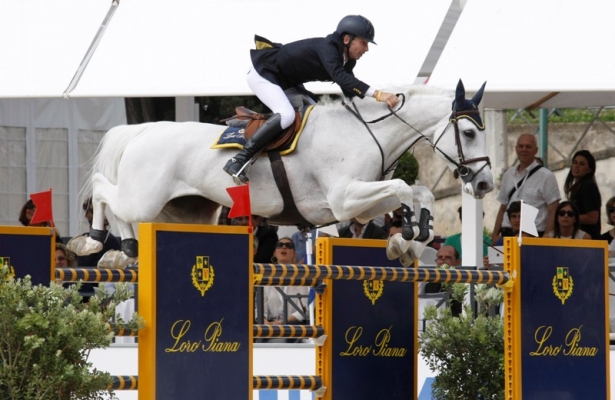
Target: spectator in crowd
295	297
395	226
581	189
223	218
391	217
266	235
528	181
65	257
300	240
513	212
567	223
455	240
362	231
447	255
610	234
25	216
26	213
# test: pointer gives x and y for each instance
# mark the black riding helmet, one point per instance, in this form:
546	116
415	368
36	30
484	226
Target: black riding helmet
357	25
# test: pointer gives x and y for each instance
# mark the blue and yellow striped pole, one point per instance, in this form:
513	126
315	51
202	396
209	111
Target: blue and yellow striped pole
397	274
96	275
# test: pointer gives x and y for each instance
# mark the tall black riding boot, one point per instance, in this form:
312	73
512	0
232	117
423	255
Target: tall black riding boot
263	135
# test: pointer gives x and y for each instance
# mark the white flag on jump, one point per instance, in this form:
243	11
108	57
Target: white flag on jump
330	230
528	219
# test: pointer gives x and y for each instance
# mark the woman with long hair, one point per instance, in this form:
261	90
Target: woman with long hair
610	234
567	224
581	189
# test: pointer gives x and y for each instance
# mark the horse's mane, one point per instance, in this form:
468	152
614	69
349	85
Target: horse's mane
408	90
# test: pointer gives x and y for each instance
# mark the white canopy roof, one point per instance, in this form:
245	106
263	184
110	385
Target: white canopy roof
193	47
547	53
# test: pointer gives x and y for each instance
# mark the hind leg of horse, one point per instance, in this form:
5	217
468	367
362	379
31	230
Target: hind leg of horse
86	245
119	259
127	207
103	195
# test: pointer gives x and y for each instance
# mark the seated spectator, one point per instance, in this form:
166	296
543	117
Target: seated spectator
274	297
610	234
64	257
455	240
447	255
362	231
567	223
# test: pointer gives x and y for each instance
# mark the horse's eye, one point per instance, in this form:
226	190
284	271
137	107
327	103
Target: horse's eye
470	133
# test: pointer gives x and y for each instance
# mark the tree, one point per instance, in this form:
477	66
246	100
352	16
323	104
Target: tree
466	352
46	334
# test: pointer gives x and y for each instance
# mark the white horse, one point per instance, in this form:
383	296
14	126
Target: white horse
167	172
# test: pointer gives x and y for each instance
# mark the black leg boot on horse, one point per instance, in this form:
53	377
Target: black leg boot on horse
263	135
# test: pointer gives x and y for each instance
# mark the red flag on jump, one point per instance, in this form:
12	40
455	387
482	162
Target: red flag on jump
241	202
44	209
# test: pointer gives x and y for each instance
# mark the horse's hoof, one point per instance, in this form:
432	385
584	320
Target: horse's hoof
407	260
84	245
396	246
114	259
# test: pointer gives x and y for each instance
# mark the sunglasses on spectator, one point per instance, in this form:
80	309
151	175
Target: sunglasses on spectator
569	213
288	245
610	210
61	258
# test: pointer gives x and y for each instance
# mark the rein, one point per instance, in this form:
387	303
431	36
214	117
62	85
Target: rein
461	164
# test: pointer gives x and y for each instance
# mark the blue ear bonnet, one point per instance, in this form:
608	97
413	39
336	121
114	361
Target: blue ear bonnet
464	108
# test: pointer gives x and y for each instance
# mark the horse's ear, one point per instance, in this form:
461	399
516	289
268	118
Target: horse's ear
460	95
479	95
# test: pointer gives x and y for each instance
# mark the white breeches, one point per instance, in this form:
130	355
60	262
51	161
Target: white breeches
273	97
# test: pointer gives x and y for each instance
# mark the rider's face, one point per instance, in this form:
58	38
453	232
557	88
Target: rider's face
357	48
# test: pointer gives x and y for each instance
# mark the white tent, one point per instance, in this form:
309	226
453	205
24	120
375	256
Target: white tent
192	47
547	53
155	48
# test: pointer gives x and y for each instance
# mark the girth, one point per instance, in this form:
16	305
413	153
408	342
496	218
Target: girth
290	215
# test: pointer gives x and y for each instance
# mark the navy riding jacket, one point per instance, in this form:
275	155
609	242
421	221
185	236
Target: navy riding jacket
308	60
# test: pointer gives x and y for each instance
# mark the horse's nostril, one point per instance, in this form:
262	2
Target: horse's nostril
482	185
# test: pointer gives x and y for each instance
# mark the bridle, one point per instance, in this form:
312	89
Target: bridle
462	170
461	164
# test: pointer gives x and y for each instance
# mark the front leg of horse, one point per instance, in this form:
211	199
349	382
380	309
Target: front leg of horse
398	245
368	200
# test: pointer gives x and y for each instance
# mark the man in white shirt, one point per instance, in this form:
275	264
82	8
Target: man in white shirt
528	181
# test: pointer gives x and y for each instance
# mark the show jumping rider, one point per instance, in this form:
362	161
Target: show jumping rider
279	71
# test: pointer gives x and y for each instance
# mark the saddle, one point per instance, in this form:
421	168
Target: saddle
251	120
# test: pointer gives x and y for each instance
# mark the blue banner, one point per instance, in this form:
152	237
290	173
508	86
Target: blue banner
203	316
563	322
374	331
28	251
